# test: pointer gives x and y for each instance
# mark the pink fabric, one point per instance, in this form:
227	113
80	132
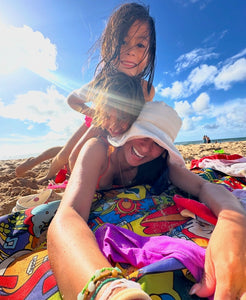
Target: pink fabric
88	121
124	246
57	186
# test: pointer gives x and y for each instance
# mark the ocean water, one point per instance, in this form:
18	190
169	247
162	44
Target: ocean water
212	141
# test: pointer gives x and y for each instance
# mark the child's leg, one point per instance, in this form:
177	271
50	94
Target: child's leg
33	161
61	159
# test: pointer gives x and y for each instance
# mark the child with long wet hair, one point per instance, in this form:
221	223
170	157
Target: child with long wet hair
128	45
114	41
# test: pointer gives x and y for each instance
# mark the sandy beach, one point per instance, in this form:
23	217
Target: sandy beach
12	188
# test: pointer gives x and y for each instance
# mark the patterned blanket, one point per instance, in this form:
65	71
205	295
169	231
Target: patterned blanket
158	240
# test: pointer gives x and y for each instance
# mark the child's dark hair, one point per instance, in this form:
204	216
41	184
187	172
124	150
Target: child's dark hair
118	91
116	30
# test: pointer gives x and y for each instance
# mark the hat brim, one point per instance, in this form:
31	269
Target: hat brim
142	130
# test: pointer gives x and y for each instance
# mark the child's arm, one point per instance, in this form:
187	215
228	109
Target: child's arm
148	96
77	101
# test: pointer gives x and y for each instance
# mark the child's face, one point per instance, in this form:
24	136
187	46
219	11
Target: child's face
115	123
134	50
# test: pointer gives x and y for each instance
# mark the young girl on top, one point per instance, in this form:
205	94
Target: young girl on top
128	45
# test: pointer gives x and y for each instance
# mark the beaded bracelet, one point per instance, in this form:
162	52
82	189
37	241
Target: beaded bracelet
98	276
102	284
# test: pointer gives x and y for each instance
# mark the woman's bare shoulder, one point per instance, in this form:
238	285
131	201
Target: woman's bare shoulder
96	146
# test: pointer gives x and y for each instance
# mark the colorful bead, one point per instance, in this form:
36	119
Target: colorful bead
97	277
80	296
97	273
114	273
91	287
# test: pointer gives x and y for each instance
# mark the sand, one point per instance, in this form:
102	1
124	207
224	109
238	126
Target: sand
12	188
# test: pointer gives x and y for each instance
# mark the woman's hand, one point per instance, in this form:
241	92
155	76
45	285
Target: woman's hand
225	263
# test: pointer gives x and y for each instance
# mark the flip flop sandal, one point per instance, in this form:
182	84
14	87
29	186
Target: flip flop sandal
37	199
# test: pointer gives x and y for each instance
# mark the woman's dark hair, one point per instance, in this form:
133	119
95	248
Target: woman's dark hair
154	173
116	30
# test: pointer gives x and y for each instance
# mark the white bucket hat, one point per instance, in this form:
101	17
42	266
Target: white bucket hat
159	122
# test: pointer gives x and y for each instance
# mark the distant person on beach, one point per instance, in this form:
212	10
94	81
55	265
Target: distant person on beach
206	139
128	45
100	166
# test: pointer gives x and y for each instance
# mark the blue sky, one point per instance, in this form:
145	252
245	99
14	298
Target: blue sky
44	55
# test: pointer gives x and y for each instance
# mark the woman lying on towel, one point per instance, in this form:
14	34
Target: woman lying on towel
101	166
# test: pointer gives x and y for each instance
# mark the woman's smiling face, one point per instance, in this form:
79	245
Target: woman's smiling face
141	150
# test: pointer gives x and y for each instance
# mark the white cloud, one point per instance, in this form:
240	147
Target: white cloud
201	3
187	124
175	92
194	112
23	47
205	75
231	73
201	104
200	76
183	108
159	88
225	120
214	37
194	57
232	114
48	107
238	55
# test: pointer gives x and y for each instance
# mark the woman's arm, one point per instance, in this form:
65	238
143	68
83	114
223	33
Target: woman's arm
90	133
215	196
225	263
73	251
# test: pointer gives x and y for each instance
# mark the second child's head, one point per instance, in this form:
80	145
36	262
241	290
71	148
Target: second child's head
128	42
118	101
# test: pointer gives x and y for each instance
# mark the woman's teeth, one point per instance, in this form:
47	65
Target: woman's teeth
137	153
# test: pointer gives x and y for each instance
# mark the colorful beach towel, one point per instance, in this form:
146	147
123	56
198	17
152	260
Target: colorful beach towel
153	227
